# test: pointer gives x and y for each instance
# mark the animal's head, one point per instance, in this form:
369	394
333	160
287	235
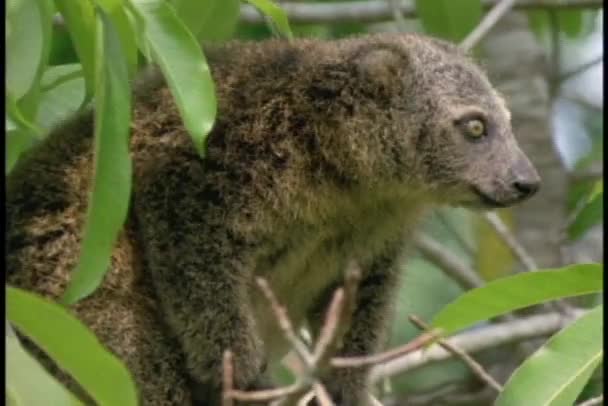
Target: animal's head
455	140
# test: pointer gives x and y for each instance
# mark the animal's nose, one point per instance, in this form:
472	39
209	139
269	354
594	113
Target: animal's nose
526	187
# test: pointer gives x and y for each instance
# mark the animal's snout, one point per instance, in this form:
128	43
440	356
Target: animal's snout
526	187
526	181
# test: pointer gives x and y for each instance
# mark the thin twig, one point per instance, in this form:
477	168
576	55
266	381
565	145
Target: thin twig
373	401
397	16
321	394
356	362
308	396
556	51
379	10
520	252
449	263
449	226
266	395
580	69
589	174
293	397
489	21
284	323
491	336
593	401
227	378
503	231
351	285
328	331
475	367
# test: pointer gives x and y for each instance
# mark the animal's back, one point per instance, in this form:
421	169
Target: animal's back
47	195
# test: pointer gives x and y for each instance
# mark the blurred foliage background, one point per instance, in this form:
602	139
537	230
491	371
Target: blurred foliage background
546	58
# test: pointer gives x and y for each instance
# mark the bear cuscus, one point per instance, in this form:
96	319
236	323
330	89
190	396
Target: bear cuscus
323	152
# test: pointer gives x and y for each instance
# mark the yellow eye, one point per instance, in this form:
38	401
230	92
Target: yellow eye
475	128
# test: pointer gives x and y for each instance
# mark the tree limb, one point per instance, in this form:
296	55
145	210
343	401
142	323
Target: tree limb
451	264
380	10
580	69
473	365
489	21
476	340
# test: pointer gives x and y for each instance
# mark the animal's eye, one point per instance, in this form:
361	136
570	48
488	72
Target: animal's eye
475	128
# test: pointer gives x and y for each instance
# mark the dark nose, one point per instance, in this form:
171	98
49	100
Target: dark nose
526	187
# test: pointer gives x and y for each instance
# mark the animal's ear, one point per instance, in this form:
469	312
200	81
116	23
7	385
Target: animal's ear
379	64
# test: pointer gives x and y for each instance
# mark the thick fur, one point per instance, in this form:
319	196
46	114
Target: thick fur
322	153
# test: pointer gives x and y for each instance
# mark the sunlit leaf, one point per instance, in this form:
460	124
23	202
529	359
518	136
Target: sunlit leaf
182	62
22	137
17	116
494	258
63	92
117	12
16	141
79	18
72	346
449	19
591	214
112	184
556	374
276	14
573	23
518	291
24	45
27	382
29	45
210	20
110	6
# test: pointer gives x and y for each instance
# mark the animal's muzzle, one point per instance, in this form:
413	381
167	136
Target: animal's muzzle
526	180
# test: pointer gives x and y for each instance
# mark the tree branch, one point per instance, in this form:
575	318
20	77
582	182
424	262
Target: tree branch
489	21
503	231
477	340
380	10
580	69
451	264
473	365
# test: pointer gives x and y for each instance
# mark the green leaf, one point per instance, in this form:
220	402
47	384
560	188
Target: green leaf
25	45
112	185
538	21
27	382
211	20
591	214
571	22
14	112
183	64
276	14
65	339
449	19
117	12
518	291
9	125
17	142
22	137
63	92
126	32
110	6
28	42
79	18
556	374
